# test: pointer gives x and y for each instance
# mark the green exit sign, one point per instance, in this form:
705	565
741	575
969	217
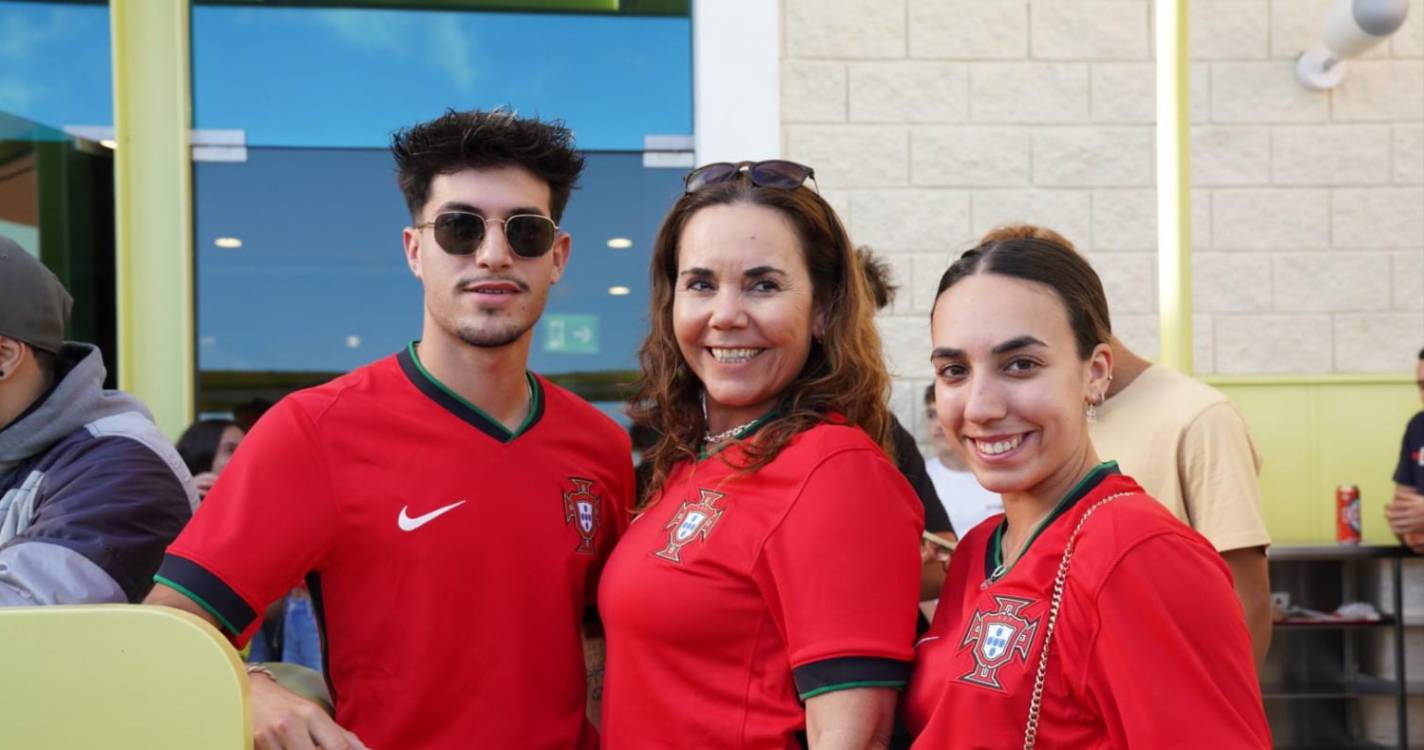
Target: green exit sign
571	334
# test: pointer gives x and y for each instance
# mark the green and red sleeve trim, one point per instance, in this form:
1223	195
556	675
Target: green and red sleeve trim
207	591
844	673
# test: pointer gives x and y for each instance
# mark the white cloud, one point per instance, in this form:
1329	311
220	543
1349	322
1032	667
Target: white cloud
450	51
22	34
401	36
372	31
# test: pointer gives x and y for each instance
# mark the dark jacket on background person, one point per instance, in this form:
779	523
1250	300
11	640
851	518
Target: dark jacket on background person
912	465
91	493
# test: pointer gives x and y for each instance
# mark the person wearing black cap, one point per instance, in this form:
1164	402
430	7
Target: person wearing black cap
90	491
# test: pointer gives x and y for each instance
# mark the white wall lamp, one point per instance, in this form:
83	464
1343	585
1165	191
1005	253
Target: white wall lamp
1351	27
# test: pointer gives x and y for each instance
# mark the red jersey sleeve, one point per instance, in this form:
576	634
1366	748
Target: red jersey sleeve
1171	663
267	522
841	574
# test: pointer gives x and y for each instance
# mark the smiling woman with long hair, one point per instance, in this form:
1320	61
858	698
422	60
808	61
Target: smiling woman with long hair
1086	615
766	595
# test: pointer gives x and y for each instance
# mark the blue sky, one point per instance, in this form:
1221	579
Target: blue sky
307	77
54	63
348	77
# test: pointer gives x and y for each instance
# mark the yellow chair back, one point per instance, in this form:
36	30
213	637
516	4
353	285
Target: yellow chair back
118	677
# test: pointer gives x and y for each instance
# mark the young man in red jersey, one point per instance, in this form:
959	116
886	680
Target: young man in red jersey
448	509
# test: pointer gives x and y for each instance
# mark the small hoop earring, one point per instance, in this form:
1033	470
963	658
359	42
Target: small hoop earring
1091	411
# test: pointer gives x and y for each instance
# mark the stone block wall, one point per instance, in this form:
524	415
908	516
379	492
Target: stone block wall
931	121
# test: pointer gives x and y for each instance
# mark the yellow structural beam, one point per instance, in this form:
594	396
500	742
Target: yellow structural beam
153	206
1174	194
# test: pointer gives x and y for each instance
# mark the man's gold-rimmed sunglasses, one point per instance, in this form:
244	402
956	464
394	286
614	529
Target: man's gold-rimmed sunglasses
461	232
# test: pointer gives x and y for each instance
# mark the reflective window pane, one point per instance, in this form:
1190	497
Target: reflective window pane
301	268
349	77
57	202
55	63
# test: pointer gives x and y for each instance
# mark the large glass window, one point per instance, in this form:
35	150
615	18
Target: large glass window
300	272
56	189
54	63
349	77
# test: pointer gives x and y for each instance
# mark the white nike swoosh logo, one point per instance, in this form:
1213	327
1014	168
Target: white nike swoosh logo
406	523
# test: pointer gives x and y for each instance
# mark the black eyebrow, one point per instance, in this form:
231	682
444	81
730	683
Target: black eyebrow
945	352
749	273
1019	342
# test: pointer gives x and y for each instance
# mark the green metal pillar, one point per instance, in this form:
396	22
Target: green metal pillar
153	211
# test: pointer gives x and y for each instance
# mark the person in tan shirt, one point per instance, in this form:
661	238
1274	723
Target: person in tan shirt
1190	448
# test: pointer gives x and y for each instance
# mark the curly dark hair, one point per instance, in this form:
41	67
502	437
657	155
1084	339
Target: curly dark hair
844	372
878	275
478	139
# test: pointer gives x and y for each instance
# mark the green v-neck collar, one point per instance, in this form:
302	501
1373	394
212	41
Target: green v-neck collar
994	567
462	408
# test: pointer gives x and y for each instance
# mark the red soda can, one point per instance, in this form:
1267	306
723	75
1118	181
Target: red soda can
1347	514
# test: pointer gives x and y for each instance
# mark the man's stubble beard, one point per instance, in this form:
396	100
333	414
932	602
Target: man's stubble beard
492	338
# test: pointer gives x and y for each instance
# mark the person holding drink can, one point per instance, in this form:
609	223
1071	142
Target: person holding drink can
1405	511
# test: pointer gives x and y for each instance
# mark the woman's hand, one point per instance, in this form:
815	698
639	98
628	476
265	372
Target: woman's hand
204	482
934	563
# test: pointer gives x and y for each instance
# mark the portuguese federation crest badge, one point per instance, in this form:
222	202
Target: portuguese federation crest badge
998	638
581	508
692	520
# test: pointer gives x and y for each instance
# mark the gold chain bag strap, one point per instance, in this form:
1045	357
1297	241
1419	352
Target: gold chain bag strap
1036	702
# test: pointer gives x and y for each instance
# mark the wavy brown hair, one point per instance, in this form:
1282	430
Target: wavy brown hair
844	371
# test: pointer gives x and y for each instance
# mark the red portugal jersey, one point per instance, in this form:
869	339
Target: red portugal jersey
733	599
1150	649
449	560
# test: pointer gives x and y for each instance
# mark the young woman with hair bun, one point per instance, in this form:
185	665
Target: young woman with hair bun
1086	616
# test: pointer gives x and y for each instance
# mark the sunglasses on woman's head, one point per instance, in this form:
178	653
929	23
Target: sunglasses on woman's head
462	233
773	173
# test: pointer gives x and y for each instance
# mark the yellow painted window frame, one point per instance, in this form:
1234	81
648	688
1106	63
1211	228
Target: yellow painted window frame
153	207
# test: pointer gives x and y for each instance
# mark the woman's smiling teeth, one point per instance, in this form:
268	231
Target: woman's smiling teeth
996	447
728	356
